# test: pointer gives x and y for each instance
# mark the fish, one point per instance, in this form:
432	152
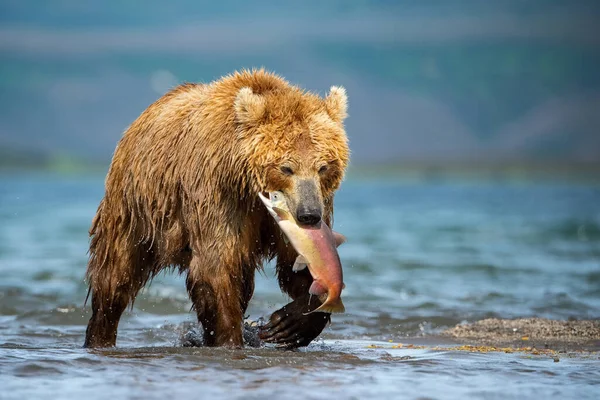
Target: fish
317	251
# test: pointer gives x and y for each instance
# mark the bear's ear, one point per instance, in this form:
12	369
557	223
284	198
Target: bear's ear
249	107
336	103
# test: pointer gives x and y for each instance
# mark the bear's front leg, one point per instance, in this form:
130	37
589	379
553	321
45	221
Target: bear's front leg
291	326
216	296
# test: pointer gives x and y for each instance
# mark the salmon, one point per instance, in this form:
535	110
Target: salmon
317	250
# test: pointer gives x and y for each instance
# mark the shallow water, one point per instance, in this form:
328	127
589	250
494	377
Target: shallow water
420	256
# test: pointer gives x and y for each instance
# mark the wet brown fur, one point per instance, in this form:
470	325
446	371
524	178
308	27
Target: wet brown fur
186	175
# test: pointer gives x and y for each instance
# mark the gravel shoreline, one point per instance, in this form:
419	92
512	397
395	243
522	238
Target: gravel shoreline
531	332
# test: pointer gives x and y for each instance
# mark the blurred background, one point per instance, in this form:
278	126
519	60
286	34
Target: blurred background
462	84
473	190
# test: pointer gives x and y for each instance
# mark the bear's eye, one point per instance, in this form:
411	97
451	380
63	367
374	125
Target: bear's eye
323	169
287	170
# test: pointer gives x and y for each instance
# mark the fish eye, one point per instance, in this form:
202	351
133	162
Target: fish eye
276	196
286	170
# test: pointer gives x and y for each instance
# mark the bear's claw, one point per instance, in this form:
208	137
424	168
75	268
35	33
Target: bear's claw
290	327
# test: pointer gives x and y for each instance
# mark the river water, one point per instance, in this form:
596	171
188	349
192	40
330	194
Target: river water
421	256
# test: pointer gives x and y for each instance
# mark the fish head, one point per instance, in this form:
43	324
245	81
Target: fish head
276	205
278	200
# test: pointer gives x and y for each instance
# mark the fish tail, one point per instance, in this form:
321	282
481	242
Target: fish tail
331	307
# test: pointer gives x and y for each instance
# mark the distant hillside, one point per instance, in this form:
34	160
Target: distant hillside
428	81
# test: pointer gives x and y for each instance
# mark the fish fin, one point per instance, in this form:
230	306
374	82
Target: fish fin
317	288
334	307
339	239
300	263
299	266
281	213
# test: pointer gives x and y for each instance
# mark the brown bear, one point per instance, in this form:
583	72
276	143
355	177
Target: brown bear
182	192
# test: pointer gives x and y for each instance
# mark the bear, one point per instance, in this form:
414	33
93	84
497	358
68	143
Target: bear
181	193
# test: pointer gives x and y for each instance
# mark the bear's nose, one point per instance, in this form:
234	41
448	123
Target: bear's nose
308	216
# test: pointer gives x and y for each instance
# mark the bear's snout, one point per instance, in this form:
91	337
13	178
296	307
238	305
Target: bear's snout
308	215
309	210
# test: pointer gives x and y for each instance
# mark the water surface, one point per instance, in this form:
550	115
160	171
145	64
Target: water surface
420	257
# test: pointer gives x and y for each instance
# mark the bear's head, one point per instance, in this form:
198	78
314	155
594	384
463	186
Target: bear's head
295	143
